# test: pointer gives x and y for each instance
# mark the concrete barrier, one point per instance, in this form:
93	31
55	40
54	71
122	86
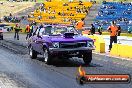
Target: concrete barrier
98	42
114	50
121	50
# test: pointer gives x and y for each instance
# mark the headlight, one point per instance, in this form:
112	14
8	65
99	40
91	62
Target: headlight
90	44
55	44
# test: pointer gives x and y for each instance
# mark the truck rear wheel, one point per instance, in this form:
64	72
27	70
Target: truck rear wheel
87	58
1	37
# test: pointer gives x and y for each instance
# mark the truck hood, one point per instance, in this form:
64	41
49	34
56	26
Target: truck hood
76	38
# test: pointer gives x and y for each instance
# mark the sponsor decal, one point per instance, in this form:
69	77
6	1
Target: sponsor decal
83	78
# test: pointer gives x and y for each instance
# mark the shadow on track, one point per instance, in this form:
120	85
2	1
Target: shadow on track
71	62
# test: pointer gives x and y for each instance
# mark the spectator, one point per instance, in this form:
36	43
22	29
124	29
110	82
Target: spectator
100	29
53	12
86	11
119	30
65	4
40	30
129	29
80	3
41	26
10	14
113	29
28	31
80	25
59	13
31	30
104	2
34	23
17	27
92	30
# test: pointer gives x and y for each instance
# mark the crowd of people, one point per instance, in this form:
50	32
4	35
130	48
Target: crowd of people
30	29
11	18
80	8
120	12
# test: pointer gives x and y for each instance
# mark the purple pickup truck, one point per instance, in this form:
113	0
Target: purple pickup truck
61	42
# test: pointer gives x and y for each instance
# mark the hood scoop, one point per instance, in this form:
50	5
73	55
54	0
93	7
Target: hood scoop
68	35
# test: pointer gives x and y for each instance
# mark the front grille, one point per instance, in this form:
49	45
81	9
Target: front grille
73	45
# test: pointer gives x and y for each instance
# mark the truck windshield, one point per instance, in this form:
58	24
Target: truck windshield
59	30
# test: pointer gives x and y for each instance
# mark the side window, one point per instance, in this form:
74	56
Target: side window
41	31
48	30
71	29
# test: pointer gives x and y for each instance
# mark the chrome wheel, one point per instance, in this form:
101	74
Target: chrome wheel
30	52
45	55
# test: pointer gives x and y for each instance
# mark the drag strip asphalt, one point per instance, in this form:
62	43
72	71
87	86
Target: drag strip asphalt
34	73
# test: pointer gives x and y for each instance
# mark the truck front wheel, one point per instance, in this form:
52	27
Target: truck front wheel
32	53
87	58
47	56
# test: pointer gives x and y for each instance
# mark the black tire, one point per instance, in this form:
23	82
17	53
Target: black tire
32	53
2	38
47	57
87	58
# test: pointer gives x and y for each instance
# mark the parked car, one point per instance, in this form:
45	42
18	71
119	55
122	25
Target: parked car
1	34
6	28
60	41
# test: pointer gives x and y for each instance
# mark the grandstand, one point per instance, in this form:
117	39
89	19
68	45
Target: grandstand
114	11
59	12
64	12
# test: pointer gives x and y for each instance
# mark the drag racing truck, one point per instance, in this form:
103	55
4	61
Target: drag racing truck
61	42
